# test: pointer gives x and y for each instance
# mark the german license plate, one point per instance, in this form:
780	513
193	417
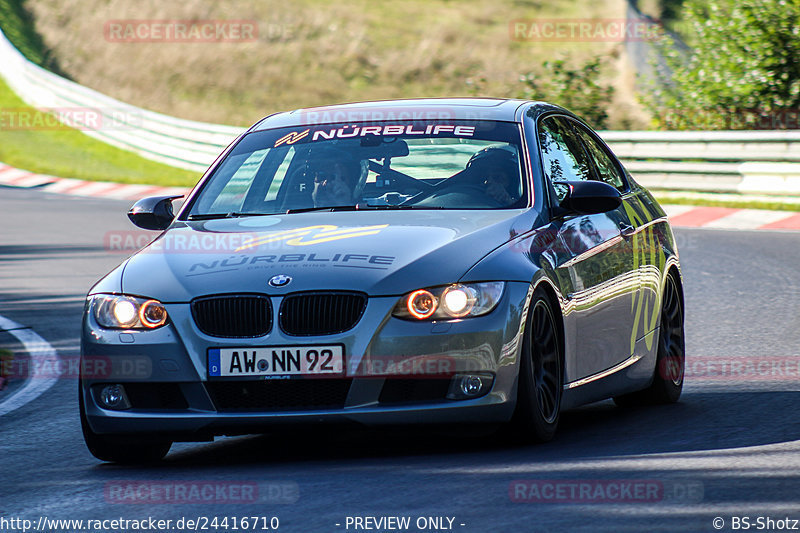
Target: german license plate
276	361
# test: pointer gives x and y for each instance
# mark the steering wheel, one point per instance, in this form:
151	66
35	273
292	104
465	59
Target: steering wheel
410	180
469	189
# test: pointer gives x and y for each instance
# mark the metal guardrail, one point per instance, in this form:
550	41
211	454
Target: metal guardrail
766	162
177	142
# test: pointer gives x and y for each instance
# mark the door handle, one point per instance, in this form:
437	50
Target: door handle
626	230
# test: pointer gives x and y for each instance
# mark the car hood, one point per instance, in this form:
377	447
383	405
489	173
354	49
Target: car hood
380	253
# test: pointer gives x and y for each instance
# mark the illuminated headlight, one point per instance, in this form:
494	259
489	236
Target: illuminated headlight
458	300
128	312
449	302
421	304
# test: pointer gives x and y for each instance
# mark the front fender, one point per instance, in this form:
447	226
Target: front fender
532	258
111	282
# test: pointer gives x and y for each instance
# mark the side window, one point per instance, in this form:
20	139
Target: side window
563	156
607	169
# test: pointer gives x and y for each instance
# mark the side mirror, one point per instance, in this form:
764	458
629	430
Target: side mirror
153	213
590	197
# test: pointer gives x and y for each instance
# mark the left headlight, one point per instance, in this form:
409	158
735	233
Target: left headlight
460	300
119	311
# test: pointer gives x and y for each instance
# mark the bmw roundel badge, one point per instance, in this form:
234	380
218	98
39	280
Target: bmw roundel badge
281	280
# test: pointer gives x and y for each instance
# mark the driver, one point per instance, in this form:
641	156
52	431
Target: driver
497	171
336	179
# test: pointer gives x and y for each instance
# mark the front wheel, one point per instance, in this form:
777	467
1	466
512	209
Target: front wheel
671	359
540	374
121	448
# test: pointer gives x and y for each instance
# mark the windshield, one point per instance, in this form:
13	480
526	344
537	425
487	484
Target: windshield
391	165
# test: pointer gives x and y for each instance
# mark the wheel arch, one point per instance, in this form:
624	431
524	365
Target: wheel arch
673	268
557	303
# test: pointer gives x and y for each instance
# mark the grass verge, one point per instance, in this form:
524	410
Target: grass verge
59	150
70	153
17	25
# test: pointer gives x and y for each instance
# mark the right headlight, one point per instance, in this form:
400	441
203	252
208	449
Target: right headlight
119	311
460	300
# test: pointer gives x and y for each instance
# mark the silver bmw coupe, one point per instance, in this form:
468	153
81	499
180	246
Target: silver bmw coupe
416	261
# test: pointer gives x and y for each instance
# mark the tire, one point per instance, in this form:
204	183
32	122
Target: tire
121	448
671	359
541	373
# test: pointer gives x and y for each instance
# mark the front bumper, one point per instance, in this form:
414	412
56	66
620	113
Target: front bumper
382	354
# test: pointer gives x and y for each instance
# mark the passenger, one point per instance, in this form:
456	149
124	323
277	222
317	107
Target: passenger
497	171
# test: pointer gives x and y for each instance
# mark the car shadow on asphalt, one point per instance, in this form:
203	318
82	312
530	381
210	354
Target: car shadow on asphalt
33	252
699	422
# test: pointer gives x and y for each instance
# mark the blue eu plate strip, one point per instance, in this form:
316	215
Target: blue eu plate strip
213	362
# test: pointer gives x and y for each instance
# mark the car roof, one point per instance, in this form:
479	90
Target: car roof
411	109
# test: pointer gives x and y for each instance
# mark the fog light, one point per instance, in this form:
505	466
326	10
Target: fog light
468	386
471	385
114	397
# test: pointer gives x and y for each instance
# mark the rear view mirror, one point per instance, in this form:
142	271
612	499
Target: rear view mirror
153	213
590	197
374	147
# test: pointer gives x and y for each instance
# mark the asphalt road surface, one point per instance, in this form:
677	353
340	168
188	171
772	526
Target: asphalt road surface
730	448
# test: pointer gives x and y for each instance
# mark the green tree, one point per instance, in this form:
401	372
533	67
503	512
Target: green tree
741	72
576	88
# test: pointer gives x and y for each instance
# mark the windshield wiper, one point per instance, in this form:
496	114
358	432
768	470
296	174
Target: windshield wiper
401	206
326	208
210	216
360	207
